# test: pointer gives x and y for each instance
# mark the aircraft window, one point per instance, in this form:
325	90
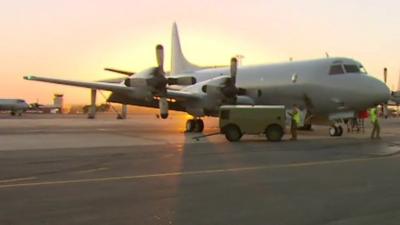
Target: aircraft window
352	68
336	69
362	69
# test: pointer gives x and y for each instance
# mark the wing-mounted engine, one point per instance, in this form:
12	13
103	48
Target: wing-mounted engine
153	82
224	91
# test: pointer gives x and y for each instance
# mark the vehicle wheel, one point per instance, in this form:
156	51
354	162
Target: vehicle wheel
12	113
190	125
332	131
198	125
232	133
274	133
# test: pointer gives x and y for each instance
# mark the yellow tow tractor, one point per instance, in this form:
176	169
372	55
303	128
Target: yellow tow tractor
236	120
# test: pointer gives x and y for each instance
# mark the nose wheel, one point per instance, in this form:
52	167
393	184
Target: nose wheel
336	131
194	126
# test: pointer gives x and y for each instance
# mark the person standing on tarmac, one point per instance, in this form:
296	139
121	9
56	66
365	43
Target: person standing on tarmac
376	130
295	122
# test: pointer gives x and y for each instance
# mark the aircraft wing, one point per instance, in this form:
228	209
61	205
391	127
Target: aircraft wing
84	84
175	94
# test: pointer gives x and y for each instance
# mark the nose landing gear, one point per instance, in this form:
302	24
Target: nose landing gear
194	125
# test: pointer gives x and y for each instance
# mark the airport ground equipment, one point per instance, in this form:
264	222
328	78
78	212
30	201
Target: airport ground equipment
236	120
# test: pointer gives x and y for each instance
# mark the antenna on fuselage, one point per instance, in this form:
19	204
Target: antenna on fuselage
385	75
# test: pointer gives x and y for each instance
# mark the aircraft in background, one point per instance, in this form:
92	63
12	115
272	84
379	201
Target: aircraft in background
329	88
395	96
15	106
56	107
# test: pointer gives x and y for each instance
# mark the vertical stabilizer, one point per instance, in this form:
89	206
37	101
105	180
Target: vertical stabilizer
179	64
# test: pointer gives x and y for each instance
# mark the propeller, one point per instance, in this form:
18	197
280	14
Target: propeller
227	89
159	82
154	80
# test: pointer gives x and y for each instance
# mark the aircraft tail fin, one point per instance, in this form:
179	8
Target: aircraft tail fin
179	64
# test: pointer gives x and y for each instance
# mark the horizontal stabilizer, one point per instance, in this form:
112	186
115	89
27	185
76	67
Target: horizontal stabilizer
116	80
127	73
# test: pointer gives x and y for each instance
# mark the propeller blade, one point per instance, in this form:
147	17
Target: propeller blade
234	65
160	58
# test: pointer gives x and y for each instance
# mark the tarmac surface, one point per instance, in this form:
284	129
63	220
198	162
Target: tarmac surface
62	169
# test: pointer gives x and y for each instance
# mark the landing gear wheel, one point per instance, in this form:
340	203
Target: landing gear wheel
232	133
190	125
339	131
274	133
335	131
198	125
332	131
12	113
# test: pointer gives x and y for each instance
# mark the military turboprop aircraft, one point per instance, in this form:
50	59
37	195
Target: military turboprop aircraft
330	88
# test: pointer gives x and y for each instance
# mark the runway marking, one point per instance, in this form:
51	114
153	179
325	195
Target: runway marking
189	173
93	170
17	180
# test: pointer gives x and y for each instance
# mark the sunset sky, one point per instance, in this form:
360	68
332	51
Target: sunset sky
73	39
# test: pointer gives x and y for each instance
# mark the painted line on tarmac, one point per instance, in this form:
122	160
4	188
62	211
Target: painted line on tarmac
190	173
93	170
17	180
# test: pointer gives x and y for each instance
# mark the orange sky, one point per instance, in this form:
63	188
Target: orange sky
74	39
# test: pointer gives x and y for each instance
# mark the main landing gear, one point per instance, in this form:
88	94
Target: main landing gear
194	125
335	130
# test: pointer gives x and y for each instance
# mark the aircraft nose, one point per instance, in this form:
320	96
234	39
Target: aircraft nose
380	93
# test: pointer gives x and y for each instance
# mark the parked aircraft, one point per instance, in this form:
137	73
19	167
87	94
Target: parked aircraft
15	106
328	88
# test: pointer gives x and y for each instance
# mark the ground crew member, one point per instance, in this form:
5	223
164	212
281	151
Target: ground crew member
376	130
295	122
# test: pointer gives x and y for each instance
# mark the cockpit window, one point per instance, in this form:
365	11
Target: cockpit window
336	69
362	69
20	100
352	69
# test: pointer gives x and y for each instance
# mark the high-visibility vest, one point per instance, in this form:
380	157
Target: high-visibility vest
373	115
296	118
